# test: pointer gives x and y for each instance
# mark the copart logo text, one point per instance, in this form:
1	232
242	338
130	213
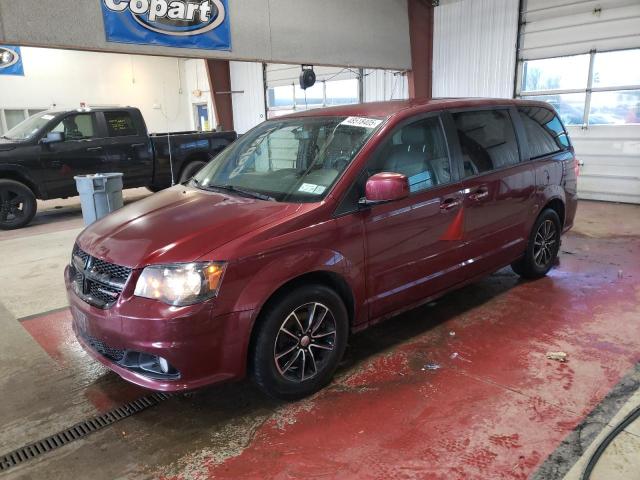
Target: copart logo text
173	17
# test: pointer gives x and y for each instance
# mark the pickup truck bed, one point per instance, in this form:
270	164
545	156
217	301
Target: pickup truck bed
40	157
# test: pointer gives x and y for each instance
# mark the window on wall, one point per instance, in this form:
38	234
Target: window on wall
609	95
285	99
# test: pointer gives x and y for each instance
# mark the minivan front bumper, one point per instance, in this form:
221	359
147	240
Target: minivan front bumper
131	337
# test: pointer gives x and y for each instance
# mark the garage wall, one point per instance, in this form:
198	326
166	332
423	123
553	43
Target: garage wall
610	152
555	28
383	85
367	33
196	82
248	100
474	48
156	85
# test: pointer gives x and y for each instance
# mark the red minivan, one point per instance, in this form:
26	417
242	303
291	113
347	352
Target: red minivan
314	226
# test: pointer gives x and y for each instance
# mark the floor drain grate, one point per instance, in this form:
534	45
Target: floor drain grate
78	431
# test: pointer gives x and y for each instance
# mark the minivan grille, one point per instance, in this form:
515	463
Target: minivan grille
115	354
97	282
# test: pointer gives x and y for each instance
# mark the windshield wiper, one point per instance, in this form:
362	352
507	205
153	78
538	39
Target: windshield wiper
242	191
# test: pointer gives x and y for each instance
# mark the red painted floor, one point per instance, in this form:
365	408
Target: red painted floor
53	333
495	407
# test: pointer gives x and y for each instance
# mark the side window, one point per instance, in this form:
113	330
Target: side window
544	130
120	124
487	139
81	126
418	150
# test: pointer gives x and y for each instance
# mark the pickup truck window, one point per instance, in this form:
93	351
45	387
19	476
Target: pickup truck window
293	160
77	127
120	124
27	129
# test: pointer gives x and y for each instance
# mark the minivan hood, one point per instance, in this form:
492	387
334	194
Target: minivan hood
180	224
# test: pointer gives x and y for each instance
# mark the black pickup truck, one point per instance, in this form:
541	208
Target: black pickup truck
40	156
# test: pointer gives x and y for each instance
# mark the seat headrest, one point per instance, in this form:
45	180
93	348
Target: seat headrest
413	135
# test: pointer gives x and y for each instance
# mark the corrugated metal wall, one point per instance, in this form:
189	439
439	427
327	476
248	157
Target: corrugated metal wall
248	106
382	85
474	48
552	28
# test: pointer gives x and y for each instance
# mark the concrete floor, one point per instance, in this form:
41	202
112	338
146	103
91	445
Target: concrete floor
493	407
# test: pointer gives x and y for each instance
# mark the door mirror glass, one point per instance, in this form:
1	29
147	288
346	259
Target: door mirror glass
385	187
53	137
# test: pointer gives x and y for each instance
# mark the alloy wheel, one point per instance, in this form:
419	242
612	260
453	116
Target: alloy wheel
12	206
304	342
545	243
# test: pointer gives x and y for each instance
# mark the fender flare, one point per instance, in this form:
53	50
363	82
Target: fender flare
12	171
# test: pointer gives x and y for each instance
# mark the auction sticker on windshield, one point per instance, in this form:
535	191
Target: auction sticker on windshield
312	188
362	122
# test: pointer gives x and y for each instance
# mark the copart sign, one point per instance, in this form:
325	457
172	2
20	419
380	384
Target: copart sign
171	23
10	60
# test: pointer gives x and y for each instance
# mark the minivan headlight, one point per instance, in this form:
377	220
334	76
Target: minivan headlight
181	284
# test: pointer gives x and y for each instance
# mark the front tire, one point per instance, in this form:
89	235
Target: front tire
542	248
18	205
300	339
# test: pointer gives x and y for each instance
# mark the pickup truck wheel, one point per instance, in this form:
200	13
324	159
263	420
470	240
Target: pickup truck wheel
17	205
300	340
190	170
543	247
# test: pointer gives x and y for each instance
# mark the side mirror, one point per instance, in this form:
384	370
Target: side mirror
385	187
53	137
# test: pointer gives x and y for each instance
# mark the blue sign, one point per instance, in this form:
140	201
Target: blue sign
170	23
11	60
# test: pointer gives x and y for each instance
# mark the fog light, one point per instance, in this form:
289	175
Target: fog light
164	365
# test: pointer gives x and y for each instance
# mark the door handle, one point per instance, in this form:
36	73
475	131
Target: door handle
136	145
94	149
449	204
479	194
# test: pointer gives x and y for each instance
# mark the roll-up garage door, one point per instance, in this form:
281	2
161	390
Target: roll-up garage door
584	58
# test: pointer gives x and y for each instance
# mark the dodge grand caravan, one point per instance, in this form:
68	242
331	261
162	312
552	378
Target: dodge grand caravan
314	226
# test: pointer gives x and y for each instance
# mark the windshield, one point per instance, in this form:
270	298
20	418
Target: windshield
27	129
294	160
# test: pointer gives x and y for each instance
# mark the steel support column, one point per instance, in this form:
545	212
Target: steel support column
421	38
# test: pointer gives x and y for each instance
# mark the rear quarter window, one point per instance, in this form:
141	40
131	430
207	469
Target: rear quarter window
120	124
545	133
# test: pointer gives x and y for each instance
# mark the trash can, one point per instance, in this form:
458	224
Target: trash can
100	194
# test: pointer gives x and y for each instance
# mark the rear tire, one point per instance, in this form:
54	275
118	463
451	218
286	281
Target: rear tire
18	205
542	248
300	338
190	170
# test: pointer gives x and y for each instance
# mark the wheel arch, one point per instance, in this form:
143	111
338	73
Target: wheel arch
16	174
327	278
557	204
